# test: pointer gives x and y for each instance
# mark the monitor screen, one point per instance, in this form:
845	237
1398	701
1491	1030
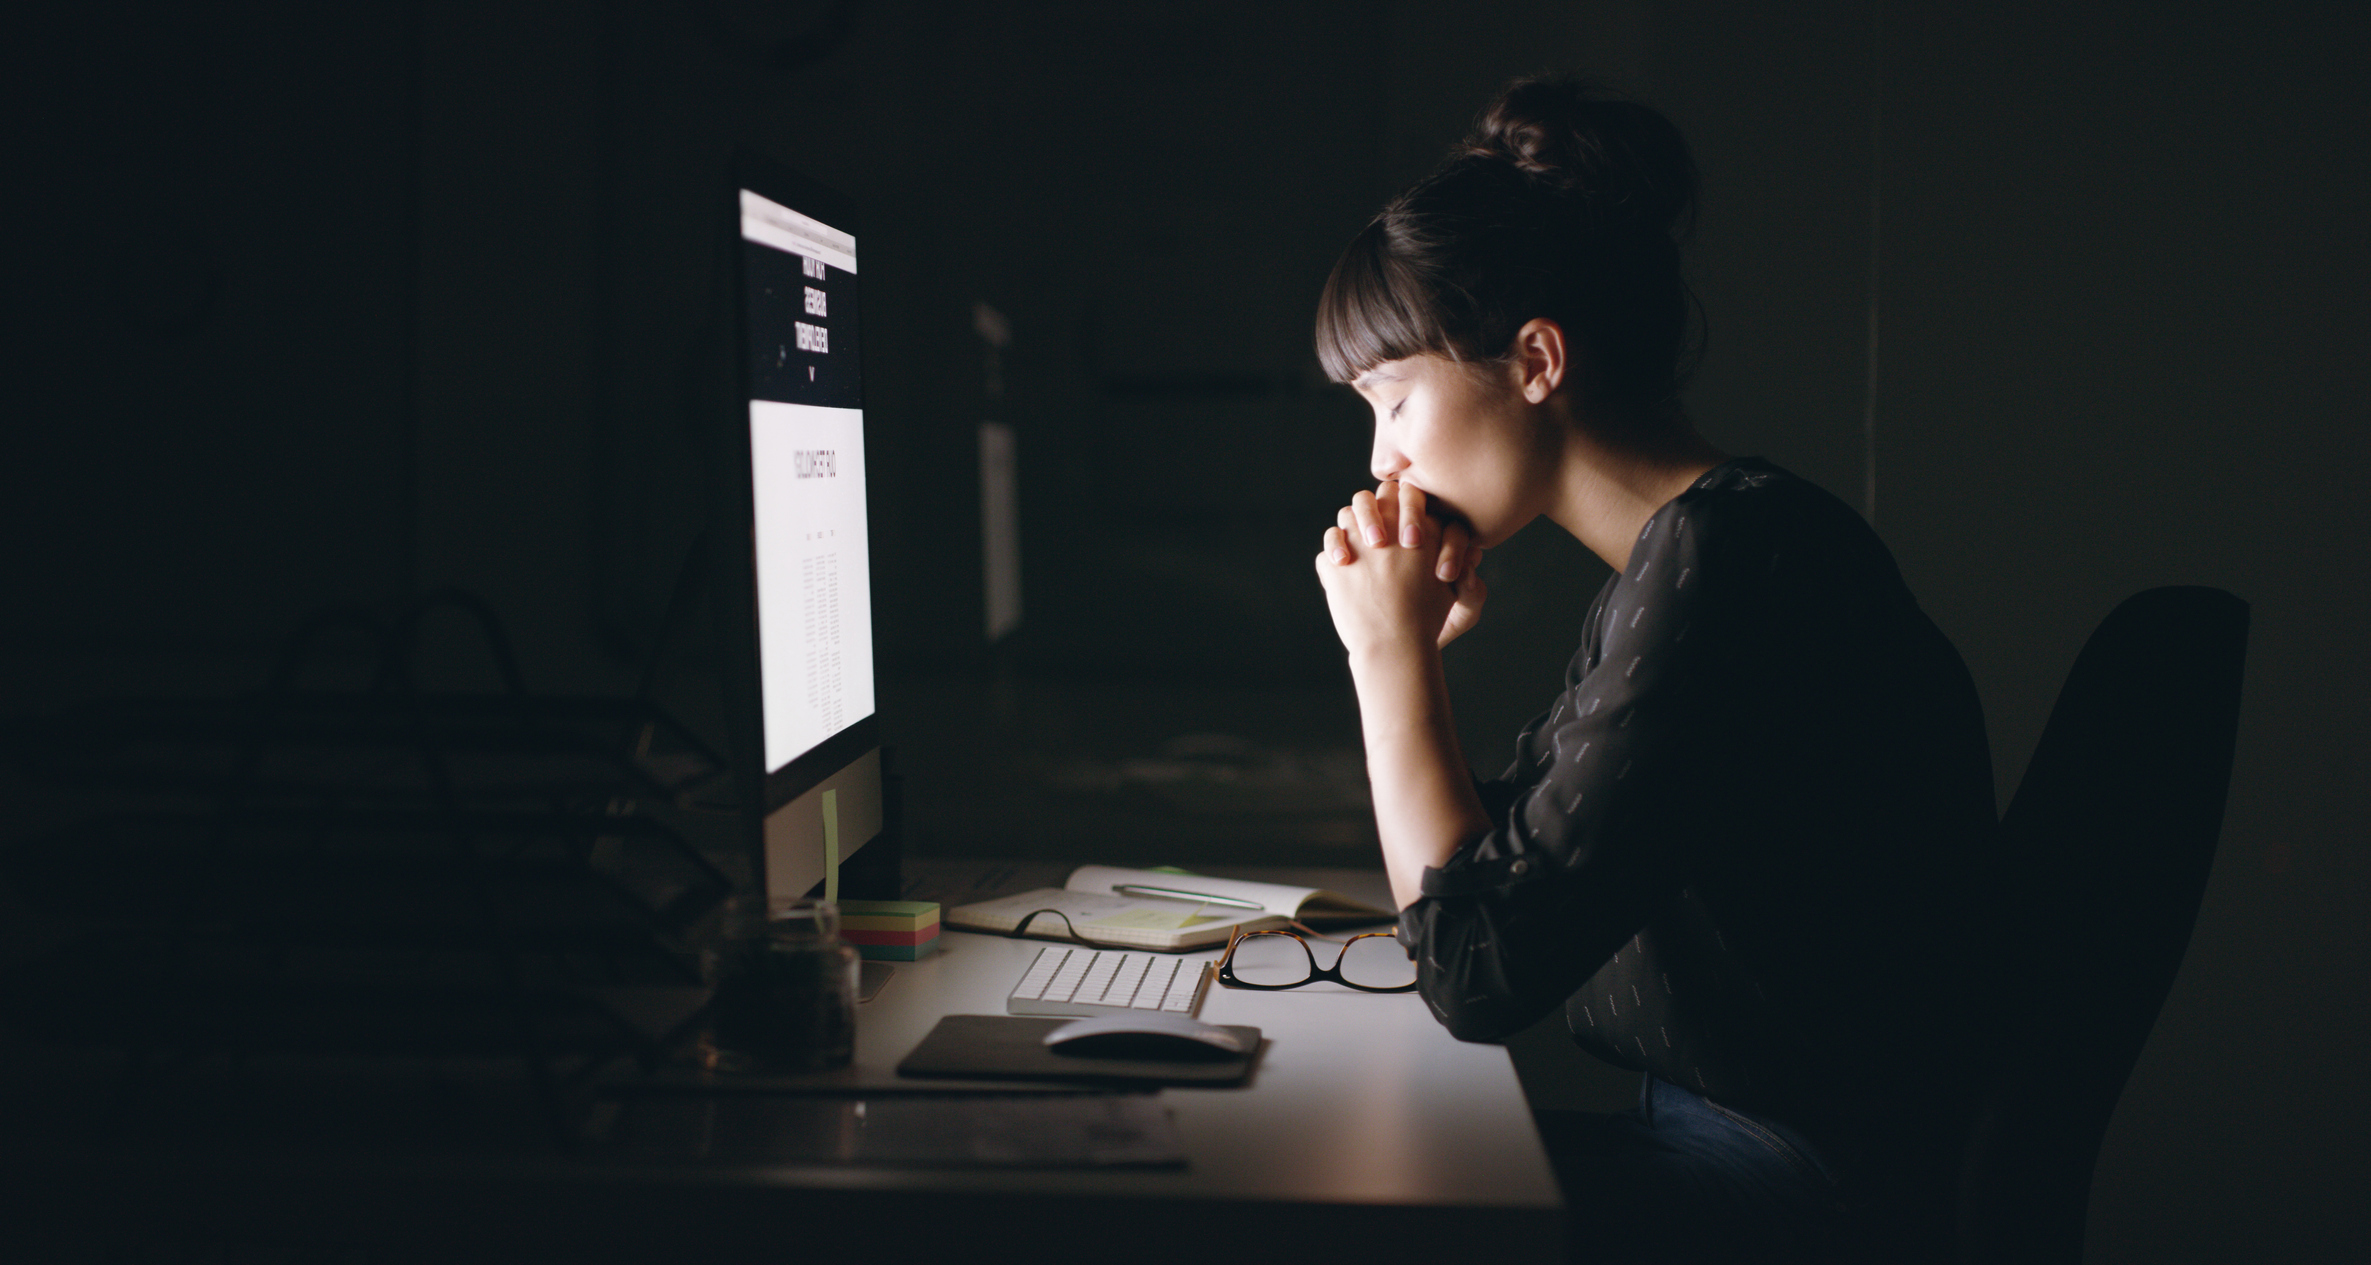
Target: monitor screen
807	470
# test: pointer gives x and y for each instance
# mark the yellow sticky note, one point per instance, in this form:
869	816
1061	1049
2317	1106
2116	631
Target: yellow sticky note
831	845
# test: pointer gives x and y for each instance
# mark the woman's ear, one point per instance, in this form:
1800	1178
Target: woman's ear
1539	359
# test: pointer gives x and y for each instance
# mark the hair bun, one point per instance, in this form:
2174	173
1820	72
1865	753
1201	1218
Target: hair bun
1561	205
1619	157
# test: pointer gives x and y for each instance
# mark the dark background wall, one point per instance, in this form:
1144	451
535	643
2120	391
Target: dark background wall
302	304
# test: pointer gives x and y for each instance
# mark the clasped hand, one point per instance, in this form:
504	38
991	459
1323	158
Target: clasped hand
1395	576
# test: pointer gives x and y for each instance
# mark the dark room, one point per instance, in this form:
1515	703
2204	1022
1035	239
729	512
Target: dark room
438	434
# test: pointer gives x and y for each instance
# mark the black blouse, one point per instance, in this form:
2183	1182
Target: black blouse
1742	847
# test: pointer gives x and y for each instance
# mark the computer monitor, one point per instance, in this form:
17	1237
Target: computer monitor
809	642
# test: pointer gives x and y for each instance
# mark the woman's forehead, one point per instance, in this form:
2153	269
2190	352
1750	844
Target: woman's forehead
1423	365
1404	369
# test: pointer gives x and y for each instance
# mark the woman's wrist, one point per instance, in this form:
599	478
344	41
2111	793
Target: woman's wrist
1394	656
1401	691
1424	797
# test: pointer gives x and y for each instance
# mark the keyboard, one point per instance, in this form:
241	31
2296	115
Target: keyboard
1066	980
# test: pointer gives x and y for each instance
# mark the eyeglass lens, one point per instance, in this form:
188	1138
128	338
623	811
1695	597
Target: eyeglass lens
1279	960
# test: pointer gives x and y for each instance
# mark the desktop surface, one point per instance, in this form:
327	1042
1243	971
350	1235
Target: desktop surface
1366	1129
1358	1098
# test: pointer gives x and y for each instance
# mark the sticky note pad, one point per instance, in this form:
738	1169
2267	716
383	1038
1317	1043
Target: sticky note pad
898	952
890	930
895	953
860	937
913	952
888	915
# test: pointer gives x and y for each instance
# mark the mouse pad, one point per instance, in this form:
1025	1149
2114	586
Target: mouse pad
1012	1047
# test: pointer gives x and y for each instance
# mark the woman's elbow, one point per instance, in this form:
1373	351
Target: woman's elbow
1482	1020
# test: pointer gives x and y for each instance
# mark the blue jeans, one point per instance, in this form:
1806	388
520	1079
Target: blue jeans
1680	1178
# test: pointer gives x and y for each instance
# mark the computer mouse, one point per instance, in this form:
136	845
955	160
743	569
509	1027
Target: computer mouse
1149	1035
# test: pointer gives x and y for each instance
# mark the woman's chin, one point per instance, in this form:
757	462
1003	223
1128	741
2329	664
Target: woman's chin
1483	534
1492	535
1488	533
1447	512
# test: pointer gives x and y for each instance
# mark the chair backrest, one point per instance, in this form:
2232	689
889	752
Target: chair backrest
2110	839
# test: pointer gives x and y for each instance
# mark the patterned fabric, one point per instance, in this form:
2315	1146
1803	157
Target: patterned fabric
1742	847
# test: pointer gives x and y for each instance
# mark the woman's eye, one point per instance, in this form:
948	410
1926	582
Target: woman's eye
1397	406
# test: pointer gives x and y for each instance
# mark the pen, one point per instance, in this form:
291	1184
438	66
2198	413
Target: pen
1231	902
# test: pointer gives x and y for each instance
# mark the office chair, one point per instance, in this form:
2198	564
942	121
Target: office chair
2112	833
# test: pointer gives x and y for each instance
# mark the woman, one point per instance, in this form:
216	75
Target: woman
1741	849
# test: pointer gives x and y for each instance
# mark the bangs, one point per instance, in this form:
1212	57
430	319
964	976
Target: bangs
1375	308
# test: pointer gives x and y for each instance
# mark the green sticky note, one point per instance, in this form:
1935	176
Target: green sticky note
1147	919
831	845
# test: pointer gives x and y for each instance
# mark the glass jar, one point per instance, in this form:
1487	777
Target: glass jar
785	998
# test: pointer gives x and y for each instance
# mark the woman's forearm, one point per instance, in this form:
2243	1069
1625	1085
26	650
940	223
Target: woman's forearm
1424	795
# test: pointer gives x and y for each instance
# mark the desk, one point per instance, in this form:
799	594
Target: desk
1367	1132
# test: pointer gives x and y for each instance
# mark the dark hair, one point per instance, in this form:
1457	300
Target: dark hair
1561	203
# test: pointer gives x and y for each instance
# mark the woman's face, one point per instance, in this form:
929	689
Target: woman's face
1464	434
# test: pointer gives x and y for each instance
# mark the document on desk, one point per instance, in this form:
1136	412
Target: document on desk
1160	909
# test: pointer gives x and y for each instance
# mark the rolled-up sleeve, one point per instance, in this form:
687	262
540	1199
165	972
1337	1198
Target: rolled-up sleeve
1595	829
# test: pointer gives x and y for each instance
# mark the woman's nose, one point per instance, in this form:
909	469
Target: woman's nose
1385	462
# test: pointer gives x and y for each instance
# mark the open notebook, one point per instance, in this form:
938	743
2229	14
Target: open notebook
1159	909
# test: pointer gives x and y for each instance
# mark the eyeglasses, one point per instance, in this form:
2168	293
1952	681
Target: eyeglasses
1371	962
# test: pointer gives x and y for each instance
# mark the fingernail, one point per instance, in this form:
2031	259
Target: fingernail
1375	535
1341	555
1446	571
1408	535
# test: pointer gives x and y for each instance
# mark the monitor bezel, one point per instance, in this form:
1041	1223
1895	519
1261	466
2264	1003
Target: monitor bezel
774	180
